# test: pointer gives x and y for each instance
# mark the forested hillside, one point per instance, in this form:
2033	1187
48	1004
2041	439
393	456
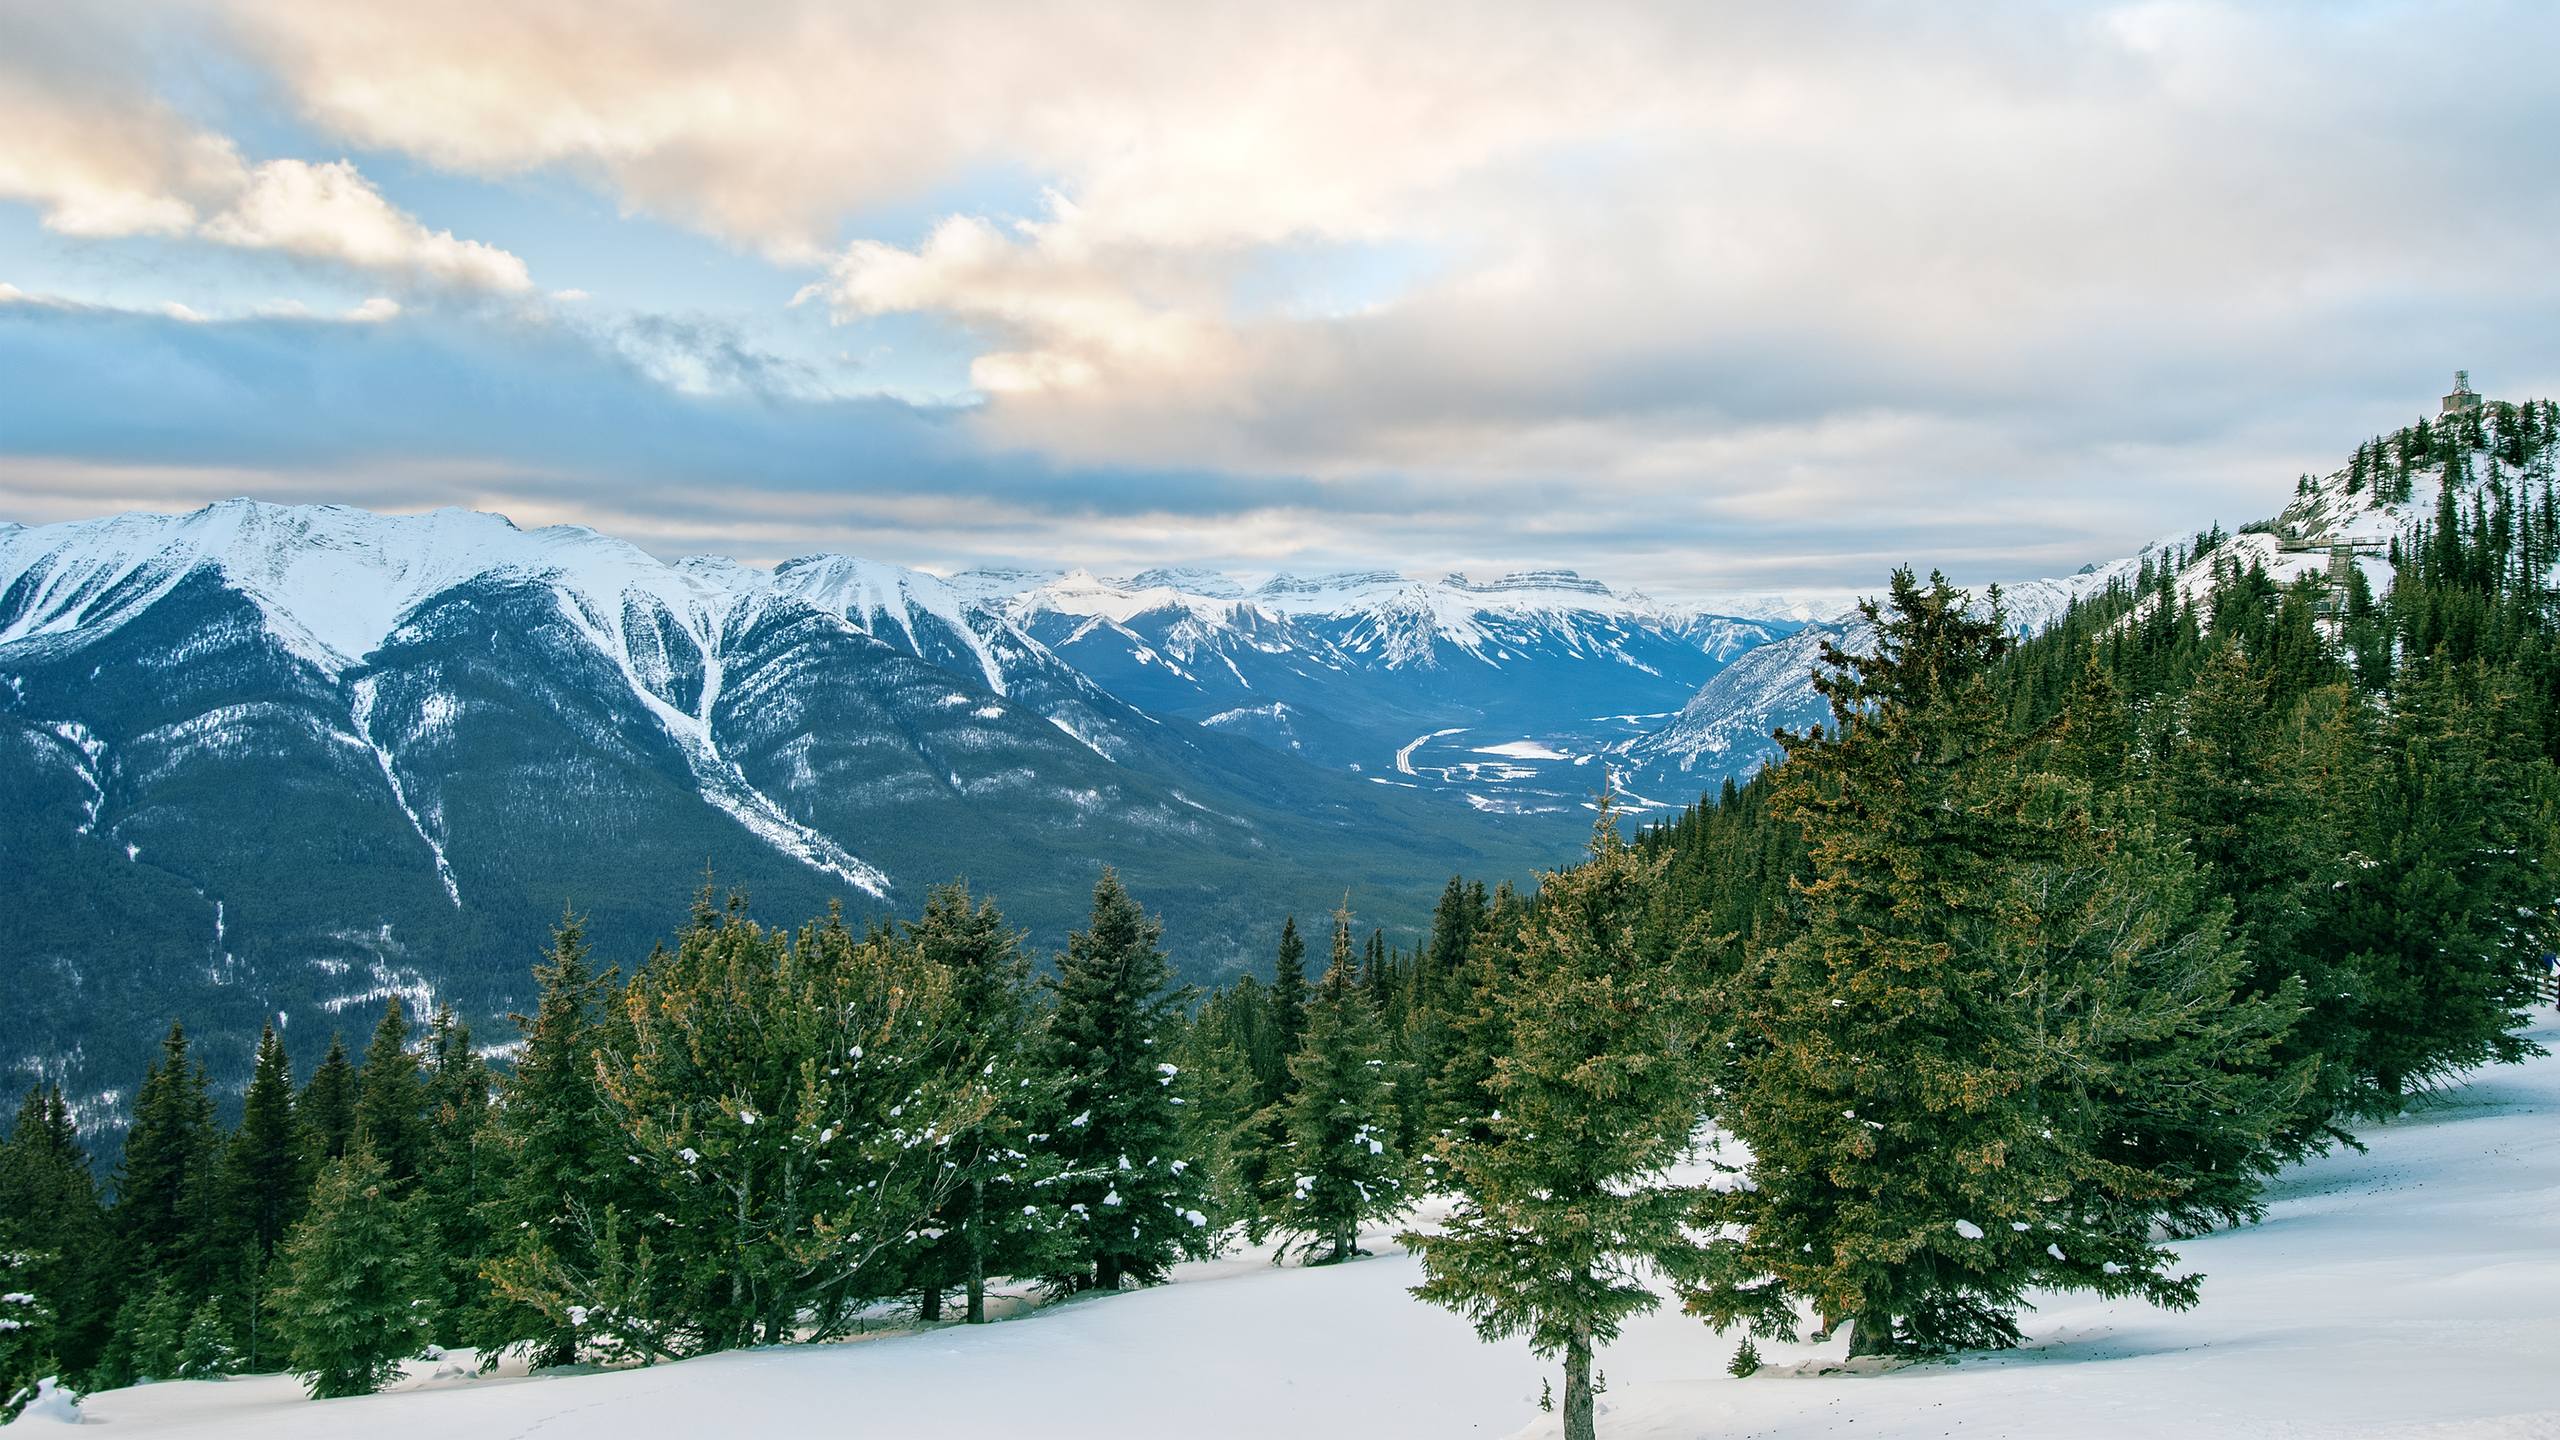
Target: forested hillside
2034	952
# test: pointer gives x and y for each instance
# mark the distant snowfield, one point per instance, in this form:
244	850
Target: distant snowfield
2410	1293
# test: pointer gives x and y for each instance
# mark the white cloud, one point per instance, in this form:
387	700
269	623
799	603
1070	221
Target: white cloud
330	212
99	161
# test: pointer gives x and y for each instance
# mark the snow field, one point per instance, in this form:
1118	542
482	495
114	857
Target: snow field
2408	1293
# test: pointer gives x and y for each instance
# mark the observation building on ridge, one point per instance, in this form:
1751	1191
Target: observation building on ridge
2464	399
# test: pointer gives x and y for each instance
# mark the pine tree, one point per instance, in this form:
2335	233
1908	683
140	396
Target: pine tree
26	1330
1118	1133
1564	1202
1342	1164
1219	1090
553	1154
996	1220
390	1098
1288	1009
152	1328
205	1351
327	1109
51	1221
1979	999
791	1099
165	1181
355	1296
454	1181
263	1175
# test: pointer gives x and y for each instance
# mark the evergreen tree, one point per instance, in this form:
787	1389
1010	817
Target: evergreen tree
1563	1202
792	1100
26	1330
1288	1009
1342	1163
151	1331
205	1351
455	1180
1975	1005
1218	1090
164	1185
390	1098
50	1220
327	1109
996	1220
1118	1136
358	1281
263	1175
553	1153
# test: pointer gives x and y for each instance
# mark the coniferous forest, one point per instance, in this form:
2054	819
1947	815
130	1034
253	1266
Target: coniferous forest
2041	953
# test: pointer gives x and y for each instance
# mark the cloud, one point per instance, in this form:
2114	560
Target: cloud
329	212
100	160
1778	293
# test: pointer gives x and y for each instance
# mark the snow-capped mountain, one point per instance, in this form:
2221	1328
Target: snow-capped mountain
1497	692
1724	731
263	761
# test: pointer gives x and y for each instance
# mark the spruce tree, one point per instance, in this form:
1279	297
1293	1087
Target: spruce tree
391	1099
1342	1163
327	1109
165	1180
356	1293
1564	1202
454	1181
1983	1004
996	1221
205	1349
791	1099
1288	1009
51	1221
26	1330
552	1154
263	1175
1117	1132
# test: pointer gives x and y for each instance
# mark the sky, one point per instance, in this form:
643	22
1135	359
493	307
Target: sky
1696	297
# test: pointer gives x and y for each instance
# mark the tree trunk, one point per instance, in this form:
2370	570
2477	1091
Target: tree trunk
1871	1333
978	1251
1577	1388
929	1307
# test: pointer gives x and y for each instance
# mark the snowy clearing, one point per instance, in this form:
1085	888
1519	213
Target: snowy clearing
2410	1293
1524	750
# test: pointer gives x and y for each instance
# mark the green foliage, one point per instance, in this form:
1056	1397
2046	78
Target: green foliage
205	1350
61	1246
26	1329
327	1110
999	1218
1969	1062
356	1292
1116	1131
551	1154
390	1115
1563	1202
787	1103
1342	1162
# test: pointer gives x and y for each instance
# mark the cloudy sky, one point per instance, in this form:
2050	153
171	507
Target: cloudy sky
1689	295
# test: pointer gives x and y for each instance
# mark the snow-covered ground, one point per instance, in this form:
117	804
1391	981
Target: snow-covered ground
2409	1293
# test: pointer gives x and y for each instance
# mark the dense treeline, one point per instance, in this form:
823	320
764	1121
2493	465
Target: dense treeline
2040	951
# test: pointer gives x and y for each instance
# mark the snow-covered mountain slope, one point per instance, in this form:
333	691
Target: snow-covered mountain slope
2411	1292
263	760
1347	669
1723	731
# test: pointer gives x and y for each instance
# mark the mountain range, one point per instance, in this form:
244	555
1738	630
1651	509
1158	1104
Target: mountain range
264	762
